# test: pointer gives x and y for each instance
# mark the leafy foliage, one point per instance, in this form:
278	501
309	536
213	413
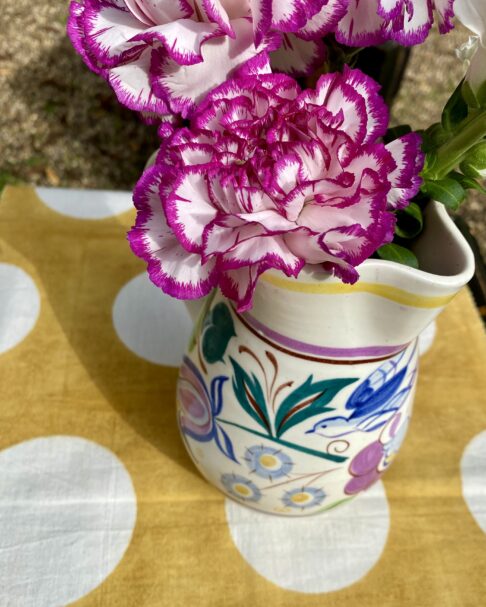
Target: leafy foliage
454	164
218	330
410	221
309	399
455	110
395	252
250	395
448	191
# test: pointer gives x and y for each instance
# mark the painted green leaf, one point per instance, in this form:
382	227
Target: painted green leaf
309	399
335	504
250	395
218	330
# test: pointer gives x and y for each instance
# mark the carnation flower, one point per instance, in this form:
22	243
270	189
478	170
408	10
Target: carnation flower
163	56
302	25
268	176
408	22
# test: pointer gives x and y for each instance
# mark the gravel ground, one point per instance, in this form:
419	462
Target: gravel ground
61	125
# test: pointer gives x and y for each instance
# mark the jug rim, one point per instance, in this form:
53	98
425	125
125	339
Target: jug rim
462	267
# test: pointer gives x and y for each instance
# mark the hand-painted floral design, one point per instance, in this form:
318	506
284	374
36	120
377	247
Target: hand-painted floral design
397	433
241	487
200	407
408	22
271	177
373	403
370	463
303	402
268	462
218	329
364	468
304	497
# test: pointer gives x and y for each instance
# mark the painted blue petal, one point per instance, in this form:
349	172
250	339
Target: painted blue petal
373	422
380	397
197	373
217	394
225	445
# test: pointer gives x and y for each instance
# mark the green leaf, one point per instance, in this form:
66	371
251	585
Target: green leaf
410	221
469	95
473	163
467	182
398	254
430	162
309	399
448	191
434	137
250	395
455	111
219	329
481	95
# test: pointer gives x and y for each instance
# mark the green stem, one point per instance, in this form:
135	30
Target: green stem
451	153
329	456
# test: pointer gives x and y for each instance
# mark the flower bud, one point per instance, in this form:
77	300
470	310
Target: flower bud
474	163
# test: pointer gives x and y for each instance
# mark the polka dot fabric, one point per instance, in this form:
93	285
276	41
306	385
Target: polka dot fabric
100	504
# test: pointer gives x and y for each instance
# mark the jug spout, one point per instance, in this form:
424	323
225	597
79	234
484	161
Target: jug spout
380	314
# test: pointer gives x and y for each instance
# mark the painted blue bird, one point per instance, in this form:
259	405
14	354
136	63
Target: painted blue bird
372	404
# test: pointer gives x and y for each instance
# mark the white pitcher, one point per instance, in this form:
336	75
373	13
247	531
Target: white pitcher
301	403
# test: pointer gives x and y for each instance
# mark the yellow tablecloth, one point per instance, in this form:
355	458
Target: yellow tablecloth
101	506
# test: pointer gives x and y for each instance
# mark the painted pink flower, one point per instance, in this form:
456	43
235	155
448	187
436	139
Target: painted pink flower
268	176
408	22
163	56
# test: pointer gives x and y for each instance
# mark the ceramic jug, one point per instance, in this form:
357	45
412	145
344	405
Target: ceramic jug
301	403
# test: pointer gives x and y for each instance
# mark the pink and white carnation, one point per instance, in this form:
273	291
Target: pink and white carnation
268	176
408	22
301	25
163	56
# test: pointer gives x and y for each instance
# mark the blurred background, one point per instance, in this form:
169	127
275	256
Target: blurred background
61	125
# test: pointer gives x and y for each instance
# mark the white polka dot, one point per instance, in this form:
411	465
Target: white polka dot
320	553
86	204
427	337
67	513
151	324
473	472
19	305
